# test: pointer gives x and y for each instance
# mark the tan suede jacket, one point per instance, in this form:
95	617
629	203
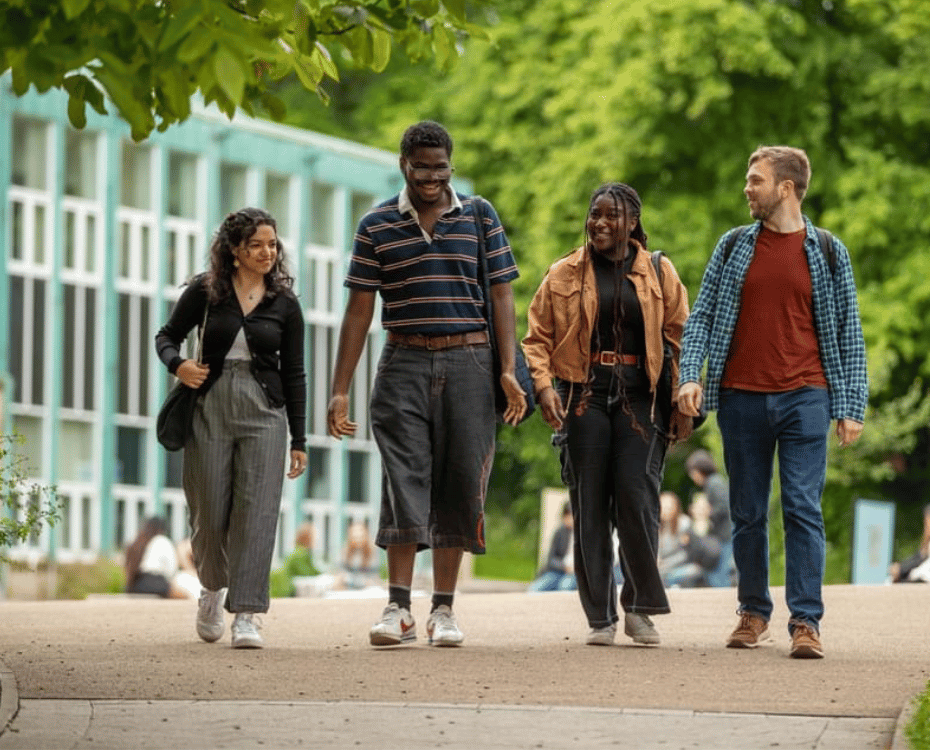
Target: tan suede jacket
563	314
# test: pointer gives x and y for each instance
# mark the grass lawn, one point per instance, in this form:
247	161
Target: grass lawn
918	731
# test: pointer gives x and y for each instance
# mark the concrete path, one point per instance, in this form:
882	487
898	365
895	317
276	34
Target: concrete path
129	673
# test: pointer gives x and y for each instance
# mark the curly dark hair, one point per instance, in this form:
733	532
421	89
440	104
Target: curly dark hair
427	134
236	229
628	205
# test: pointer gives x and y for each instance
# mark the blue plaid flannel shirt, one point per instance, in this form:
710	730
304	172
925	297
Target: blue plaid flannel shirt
709	328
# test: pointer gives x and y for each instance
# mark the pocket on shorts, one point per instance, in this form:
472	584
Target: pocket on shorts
482	358
388	353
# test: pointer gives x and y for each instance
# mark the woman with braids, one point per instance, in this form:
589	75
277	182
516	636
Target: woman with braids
596	329
252	388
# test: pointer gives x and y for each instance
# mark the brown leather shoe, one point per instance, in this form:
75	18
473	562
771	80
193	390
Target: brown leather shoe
805	642
750	632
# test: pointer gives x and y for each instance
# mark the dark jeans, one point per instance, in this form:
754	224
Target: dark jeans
432	415
753	425
613	475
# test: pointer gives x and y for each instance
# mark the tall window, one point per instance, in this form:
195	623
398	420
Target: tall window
182	185
30	153
82	173
322	214
136	186
232	188
278	202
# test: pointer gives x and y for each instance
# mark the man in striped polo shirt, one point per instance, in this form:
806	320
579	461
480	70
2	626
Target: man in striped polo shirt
432	406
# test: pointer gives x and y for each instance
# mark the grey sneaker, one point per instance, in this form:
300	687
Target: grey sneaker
396	626
640	629
602	636
442	628
245	629
210	624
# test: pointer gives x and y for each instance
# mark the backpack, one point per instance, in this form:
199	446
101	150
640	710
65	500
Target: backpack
826	245
664	388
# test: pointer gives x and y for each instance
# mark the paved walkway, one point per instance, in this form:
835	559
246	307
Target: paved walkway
129	673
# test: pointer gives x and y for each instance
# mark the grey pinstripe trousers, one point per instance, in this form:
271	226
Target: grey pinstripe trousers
233	472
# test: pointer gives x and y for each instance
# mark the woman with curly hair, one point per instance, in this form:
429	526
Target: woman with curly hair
252	387
597	329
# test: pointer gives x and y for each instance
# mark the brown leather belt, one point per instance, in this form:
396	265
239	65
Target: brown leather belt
432	343
612	358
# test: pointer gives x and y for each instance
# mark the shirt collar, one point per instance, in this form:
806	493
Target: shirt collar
405	205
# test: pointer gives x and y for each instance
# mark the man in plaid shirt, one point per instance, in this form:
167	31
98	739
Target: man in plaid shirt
777	321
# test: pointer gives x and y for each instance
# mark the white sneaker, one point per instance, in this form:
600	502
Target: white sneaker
602	636
442	628
210	623
396	626
640	629
245	629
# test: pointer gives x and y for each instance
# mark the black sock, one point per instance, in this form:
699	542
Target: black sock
399	595
440	598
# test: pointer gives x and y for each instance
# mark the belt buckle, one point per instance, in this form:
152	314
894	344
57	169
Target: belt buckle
429	344
608	358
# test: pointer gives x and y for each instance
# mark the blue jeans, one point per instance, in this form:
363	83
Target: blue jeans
753	425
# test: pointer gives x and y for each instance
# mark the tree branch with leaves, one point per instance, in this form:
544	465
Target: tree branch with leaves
150	57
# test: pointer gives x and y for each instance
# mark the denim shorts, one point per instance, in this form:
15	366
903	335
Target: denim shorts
432	415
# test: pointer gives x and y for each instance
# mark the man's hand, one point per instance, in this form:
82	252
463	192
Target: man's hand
338	417
516	398
690	398
550	404
848	431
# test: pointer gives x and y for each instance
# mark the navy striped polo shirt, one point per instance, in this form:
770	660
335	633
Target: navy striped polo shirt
427	287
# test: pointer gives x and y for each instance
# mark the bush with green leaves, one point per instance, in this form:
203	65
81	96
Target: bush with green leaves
27	506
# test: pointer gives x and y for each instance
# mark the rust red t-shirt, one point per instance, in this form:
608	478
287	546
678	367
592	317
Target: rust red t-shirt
774	347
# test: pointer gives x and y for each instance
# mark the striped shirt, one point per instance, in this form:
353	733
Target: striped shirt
709	329
428	286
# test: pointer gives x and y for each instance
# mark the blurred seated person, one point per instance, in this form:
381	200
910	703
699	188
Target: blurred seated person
916	568
702	469
298	564
558	574
700	550
152	562
673	523
359	556
186	577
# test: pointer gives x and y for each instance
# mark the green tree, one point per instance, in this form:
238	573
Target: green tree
672	96
150	57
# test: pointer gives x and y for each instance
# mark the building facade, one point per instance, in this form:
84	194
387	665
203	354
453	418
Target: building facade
99	236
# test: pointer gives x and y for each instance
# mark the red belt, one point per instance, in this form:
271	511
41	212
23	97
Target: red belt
432	343
612	358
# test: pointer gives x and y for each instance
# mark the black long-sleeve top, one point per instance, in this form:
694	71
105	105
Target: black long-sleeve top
274	332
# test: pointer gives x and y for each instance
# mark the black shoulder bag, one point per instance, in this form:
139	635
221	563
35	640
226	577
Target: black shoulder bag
521	370
176	416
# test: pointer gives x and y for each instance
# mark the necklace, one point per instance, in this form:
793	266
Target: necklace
250	295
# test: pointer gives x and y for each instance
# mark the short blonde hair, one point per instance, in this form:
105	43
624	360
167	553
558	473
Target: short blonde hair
788	163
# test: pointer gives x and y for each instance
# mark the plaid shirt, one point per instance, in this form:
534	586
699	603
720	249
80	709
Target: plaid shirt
709	329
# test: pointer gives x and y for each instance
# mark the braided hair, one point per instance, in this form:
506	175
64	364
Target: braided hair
628	205
237	228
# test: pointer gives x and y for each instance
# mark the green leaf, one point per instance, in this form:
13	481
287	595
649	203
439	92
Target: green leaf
229	75
322	58
274	106
74	8
380	49
456	8
180	26
309	73
76	113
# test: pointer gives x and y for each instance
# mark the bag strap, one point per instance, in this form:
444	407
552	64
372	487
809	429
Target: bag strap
477	203
825	240
203	325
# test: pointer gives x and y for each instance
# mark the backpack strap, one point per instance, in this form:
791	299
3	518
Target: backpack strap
824	237
657	264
